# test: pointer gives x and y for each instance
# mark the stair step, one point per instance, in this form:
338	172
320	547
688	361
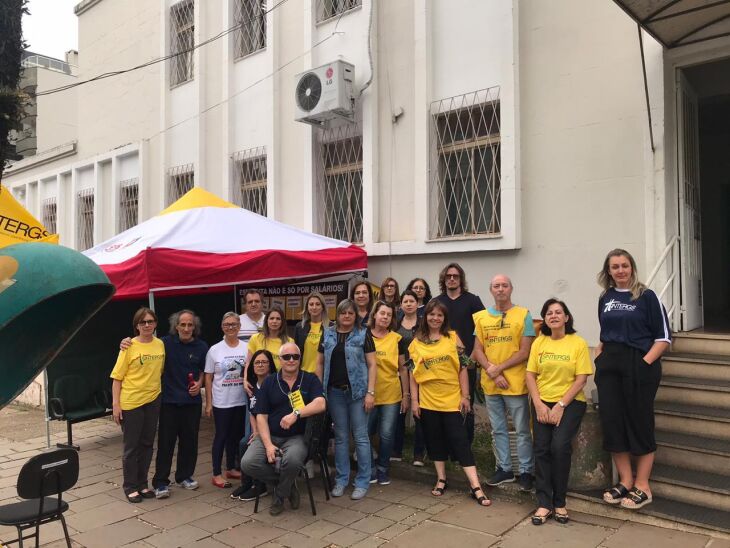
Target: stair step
691	392
691	442
672	510
701	366
695	383
705	343
691	486
713	422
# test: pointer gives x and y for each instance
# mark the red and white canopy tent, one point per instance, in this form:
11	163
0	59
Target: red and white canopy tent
202	241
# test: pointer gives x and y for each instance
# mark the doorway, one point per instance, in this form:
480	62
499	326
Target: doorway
710	83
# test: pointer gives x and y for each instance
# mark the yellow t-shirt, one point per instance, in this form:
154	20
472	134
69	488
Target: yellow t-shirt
259	342
311	347
556	363
500	336
436	370
139	367
387	383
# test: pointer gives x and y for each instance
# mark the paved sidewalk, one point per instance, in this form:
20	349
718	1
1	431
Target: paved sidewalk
402	514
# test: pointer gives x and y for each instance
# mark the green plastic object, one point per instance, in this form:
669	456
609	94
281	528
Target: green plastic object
47	293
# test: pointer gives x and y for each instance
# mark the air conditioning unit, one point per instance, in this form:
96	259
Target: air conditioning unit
325	93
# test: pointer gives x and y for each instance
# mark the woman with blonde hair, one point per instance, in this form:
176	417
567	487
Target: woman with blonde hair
308	332
634	334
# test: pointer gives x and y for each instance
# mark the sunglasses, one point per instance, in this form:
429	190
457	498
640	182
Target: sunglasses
147	322
290	357
454	276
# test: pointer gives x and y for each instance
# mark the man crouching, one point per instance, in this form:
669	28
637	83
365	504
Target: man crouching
282	405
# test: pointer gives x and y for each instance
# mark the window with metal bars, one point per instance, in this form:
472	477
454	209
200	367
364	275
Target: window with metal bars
128	203
49	214
85	219
249	176
180	179
339	185
250	18
327	9
182	41
465	165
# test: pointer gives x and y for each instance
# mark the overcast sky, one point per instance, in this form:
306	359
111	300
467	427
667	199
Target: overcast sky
51	28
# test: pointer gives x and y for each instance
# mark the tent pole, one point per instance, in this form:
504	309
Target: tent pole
646	87
45	406
152	301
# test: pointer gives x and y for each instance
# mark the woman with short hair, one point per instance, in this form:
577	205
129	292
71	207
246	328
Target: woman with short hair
136	388
557	371
225	398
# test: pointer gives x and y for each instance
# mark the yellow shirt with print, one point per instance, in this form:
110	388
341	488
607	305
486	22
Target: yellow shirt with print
260	342
387	382
436	370
556	363
139	368
500	336
311	347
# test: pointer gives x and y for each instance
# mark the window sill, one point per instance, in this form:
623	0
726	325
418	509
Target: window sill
463	238
180	84
338	16
249	55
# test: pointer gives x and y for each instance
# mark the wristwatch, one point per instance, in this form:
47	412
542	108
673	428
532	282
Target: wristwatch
372	393
561	404
297	413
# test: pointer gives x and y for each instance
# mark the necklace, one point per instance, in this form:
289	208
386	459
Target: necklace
280	378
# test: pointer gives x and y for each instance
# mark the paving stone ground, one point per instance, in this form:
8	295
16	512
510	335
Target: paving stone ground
402	514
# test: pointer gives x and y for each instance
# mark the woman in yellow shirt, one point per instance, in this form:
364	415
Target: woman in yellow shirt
272	336
440	397
136	388
392	390
557	371
308	332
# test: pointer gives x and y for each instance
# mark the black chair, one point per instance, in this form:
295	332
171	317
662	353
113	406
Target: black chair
40	479
74	400
316	438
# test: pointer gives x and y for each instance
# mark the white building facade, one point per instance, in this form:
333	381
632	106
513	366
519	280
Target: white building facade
509	136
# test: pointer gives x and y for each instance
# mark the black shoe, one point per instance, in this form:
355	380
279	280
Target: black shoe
526	481
500	477
147	493
294	498
250	493
277	505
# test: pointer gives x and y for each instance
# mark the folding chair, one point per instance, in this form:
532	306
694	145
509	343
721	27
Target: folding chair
42	477
315	436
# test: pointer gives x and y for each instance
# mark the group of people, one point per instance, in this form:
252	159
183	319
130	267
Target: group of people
380	359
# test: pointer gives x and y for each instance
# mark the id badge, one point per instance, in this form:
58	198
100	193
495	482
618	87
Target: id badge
296	400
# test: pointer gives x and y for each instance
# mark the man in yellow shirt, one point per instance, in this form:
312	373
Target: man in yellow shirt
504	334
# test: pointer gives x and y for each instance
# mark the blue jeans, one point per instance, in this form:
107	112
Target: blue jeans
349	416
383	420
519	410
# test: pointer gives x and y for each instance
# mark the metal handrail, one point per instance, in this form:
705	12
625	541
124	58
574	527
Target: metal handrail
672	248
672	242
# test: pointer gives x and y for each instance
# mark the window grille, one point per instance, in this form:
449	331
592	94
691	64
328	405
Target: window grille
49	214
465	165
180	180
85	219
327	9
250	18
182	41
128	204
339	192
249	174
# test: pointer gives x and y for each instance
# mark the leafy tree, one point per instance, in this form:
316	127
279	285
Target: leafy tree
12	99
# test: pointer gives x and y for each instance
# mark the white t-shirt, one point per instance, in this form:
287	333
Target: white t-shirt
249	327
227	365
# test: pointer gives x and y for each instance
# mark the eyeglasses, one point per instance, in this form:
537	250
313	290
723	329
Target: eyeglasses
229	325
419	288
261	362
147	322
454	276
290	357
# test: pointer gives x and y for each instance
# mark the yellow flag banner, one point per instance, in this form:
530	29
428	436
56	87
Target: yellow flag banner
17	226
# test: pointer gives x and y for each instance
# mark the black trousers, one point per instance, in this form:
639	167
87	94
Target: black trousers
446	435
627	386
178	424
469	422
138	429
553	449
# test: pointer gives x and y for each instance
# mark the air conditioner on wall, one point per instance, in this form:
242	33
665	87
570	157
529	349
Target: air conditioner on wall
325	93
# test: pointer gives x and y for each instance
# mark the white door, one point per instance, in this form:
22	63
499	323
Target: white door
688	172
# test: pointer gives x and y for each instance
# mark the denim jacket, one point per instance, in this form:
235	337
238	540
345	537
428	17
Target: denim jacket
357	369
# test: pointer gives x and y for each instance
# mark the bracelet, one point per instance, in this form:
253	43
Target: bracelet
372	393
466	397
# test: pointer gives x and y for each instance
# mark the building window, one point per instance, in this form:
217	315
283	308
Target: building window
465	165
339	183
250	18
180	180
249	175
327	9
49	214
128	204
85	219
182	41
